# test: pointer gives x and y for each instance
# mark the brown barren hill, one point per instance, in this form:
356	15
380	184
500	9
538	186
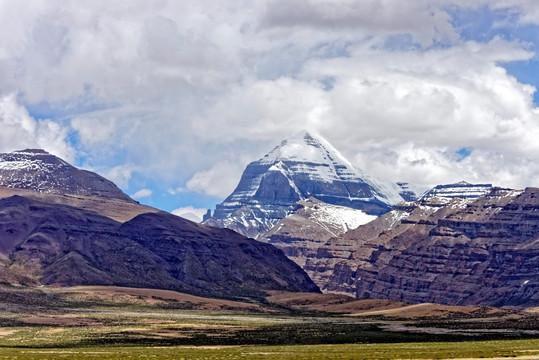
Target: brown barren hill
165	298
64	226
116	209
60	245
330	303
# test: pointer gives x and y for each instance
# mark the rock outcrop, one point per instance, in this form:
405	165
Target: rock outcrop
312	223
334	265
461	189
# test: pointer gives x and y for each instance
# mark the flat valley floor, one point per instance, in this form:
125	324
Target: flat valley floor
126	323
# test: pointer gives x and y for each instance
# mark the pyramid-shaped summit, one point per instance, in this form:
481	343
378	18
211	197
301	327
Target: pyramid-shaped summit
302	166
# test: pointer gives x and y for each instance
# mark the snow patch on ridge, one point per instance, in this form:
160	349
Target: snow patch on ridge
462	189
341	217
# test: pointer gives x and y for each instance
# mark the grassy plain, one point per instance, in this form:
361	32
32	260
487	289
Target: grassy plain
514	349
116	323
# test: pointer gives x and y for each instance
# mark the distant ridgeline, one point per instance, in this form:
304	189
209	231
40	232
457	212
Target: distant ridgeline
461	190
37	170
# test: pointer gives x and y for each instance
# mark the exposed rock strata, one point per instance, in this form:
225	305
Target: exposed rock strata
312	223
461	189
484	251
334	265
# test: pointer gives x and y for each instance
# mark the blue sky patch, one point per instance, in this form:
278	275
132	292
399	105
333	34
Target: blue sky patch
463	153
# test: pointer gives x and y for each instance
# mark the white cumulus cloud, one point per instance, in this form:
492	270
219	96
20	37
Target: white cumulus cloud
142	193
190	213
188	93
219	180
19	130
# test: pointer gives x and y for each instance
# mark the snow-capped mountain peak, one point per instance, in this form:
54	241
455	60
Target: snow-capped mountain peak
305	147
321	161
301	166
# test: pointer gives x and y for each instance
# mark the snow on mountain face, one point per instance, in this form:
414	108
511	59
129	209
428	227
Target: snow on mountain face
37	170
315	158
340	218
333	219
462	189
406	192
311	224
300	167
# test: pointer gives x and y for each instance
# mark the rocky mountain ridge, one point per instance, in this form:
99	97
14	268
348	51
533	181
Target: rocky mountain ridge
39	171
457	247
461	189
310	225
60	245
461	251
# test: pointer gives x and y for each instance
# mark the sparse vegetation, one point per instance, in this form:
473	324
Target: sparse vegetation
47	324
526	349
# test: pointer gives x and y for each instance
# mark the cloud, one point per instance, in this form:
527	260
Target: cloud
190	213
132	52
95	129
527	11
414	111
426	24
187	93
401	115
219	180
142	193
176	191
120	175
266	110
20	130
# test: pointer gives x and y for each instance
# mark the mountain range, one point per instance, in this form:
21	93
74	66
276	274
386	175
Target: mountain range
320	225
454	250
61	226
455	244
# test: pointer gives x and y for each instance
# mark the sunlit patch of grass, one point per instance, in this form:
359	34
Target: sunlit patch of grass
446	350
